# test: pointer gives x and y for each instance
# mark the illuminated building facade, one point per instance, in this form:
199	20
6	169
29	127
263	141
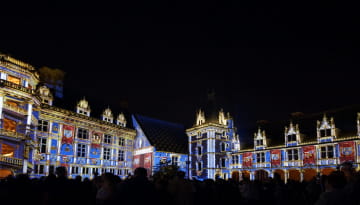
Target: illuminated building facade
159	143
36	137
301	154
301	149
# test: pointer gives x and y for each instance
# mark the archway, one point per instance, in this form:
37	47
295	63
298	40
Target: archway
5	172
235	175
280	173
245	175
261	175
327	171
309	174
294	175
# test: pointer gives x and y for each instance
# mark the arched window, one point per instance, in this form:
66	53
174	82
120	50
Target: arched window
199	150
199	166
223	147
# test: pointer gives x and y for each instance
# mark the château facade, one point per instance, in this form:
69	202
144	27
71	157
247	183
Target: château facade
36	137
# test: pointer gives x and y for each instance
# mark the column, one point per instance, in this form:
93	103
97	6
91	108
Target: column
286	176
1	103
252	175
301	175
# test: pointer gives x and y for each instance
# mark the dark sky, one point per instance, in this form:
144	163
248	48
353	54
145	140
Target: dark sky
264	59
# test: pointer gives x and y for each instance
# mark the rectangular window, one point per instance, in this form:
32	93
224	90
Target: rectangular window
293	154
260	157
85	170
82	133
327	152
75	170
199	151
223	162
39	169
199	166
175	160
51	169
95	171
107	139
121	155
81	150
43	125
121	141
106	153
42	145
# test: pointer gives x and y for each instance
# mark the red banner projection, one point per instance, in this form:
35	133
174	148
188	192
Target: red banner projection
247	159
68	134
275	158
96	139
347	151
143	160
309	155
148	162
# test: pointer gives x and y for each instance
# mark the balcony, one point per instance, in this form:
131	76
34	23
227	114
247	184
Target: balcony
15	109
11	161
8	84
12	134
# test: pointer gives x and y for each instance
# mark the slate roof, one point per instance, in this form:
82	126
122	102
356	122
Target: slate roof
163	135
345	119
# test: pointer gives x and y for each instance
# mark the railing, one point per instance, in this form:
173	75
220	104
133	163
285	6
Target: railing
12	134
15	109
15	86
11	160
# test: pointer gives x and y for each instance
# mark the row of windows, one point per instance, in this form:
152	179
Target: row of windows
293	154
40	169
81	133
82	150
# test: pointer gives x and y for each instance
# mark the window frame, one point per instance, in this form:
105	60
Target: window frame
81	132
42	125
106	153
81	150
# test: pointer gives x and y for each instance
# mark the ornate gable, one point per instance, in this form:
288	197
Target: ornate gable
260	140
325	129
292	135
83	107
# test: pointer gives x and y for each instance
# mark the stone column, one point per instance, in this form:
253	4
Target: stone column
1	104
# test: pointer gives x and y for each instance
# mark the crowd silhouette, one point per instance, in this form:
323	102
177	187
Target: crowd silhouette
340	187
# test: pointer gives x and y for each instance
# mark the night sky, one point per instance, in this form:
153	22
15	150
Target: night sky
264	60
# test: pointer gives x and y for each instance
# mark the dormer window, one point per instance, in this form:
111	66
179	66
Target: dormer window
107	115
291	138
259	142
83	107
325	133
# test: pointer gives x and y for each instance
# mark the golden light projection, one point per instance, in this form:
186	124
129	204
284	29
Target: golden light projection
7	150
9	125
14	79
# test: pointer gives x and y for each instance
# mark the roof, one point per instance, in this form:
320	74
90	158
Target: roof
345	119
163	135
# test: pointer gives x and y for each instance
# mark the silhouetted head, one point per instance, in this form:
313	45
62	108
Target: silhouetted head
61	172
140	172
